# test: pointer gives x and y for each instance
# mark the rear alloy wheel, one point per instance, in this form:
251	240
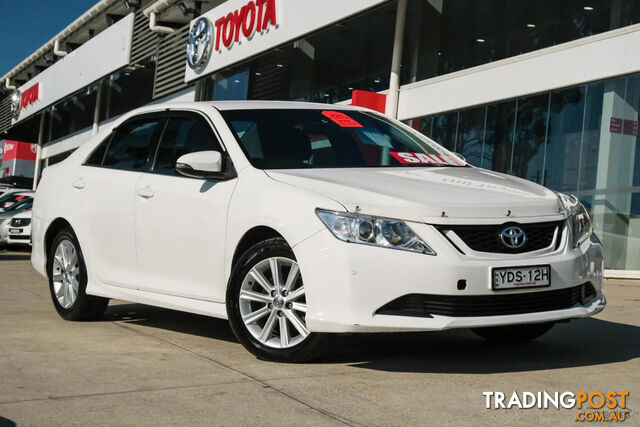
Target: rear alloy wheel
66	274
514	333
68	280
267	304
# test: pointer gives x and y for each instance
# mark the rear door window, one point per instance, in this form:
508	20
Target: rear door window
133	144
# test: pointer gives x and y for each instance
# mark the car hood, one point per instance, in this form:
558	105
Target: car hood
437	195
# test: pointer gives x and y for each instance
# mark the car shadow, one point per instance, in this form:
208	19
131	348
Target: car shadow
13	256
580	342
171	320
5	422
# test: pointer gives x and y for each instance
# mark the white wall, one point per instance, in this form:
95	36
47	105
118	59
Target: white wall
103	54
592	58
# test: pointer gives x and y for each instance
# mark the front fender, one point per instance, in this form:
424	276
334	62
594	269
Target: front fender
258	200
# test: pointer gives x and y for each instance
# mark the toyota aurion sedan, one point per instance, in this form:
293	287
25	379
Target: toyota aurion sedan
296	220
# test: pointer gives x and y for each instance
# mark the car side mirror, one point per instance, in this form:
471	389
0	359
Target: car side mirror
461	157
201	164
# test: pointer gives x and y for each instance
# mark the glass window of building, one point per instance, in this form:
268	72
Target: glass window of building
566	113
470	134
322	67
72	114
498	146
129	88
444	36
582	140
529	138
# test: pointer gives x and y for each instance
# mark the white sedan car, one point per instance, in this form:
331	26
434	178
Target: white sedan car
19	229
295	220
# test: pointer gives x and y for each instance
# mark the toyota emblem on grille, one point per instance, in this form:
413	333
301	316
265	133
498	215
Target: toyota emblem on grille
513	237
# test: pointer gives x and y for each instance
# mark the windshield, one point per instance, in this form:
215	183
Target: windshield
9	199
22	204
301	139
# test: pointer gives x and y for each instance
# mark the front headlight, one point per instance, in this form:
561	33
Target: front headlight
369	230
579	220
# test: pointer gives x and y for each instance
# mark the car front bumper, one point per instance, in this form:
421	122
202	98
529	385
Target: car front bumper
347	283
23	238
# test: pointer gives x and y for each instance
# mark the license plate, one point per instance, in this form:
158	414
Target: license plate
536	276
15	230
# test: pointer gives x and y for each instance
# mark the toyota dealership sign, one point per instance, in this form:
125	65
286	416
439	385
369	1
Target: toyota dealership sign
239	29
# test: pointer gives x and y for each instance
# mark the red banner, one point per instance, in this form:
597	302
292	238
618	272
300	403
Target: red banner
371	100
18	150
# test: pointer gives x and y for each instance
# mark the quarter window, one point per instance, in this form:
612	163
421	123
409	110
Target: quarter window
132	145
95	159
183	135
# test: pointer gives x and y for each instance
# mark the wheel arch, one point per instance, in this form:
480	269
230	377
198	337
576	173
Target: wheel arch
252	237
53	229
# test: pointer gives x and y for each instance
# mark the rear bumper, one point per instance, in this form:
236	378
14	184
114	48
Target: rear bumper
347	283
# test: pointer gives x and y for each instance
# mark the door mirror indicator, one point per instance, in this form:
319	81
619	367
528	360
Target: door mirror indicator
201	164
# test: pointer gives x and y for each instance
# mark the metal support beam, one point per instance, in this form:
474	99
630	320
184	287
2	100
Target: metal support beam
96	111
36	171
396	61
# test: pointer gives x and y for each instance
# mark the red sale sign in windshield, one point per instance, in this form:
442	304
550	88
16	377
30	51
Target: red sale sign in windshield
407	157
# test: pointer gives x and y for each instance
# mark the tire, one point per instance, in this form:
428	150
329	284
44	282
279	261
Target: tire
514	333
251	292
67	274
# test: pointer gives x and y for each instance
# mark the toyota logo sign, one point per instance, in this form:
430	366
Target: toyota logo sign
513	237
199	44
15	104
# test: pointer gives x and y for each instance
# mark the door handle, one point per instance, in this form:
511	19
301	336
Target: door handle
78	184
145	192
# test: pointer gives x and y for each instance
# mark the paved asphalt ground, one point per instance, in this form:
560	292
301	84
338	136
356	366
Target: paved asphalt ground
141	365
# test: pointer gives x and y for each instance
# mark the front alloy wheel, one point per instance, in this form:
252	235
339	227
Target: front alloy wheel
273	306
267	305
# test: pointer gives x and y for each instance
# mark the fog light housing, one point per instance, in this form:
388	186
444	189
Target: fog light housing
587	294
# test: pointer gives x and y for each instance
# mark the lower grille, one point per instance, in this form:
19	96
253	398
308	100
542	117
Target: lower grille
486	238
425	305
18	237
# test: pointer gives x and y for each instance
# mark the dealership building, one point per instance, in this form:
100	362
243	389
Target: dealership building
545	90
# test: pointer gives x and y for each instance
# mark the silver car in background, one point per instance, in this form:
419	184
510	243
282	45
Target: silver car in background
21	205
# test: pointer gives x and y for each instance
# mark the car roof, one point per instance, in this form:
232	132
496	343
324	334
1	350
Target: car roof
243	105
226	106
280	105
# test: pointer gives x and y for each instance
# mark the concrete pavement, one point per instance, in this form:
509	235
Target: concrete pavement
142	365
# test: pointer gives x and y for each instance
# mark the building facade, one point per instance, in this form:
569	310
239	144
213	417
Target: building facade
545	90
